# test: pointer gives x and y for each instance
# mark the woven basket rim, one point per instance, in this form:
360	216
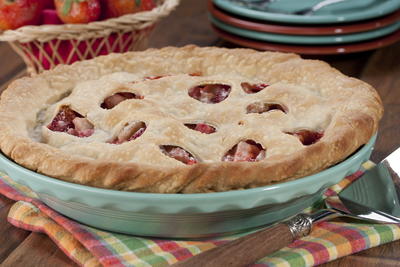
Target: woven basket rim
129	22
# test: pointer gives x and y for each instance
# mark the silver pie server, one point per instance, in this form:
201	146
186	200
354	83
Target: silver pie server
373	197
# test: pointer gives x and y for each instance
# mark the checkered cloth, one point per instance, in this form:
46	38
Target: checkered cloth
88	246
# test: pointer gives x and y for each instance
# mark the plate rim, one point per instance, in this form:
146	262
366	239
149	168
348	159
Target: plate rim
307	40
387	7
303	30
307	49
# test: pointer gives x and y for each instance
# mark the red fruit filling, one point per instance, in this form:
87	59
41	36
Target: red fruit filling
71	122
210	93
201	127
196	74
155	77
307	137
117	98
179	153
253	88
131	131
245	151
264	107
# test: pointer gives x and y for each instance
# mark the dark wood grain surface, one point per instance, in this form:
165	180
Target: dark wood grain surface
189	25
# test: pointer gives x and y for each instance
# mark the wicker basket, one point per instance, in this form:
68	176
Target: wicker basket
43	47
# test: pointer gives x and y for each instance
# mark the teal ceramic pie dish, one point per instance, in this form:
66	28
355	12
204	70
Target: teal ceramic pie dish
183	215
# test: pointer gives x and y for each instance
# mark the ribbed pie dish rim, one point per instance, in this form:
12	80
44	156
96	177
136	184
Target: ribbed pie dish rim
186	203
184	215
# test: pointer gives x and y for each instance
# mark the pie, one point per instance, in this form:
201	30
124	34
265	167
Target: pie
186	120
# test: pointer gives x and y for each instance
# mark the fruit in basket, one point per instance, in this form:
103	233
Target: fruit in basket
78	11
17	13
48	4
147	5
49	16
116	8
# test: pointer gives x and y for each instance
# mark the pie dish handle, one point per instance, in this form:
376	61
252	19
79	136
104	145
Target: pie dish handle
250	248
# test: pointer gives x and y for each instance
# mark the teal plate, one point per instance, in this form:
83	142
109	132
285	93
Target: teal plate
304	39
282	10
183	215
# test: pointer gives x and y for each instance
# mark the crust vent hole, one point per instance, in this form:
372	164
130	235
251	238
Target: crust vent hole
259	107
252	88
201	127
210	93
71	122
307	137
247	150
113	100
179	154
129	132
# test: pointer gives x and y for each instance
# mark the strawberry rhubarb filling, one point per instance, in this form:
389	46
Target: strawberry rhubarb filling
156	77
115	99
245	151
251	88
179	154
201	127
307	137
129	132
259	107
210	93
71	122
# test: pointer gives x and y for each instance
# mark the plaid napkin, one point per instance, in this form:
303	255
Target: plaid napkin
88	246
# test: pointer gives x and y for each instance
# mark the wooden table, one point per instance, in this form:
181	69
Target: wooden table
189	25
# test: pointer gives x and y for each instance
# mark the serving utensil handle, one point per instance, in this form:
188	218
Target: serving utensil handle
250	248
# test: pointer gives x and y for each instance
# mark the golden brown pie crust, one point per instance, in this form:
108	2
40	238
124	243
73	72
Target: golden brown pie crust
317	96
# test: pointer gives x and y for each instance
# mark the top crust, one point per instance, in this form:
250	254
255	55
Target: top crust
318	97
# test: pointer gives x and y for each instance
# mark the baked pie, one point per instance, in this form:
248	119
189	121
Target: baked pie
186	120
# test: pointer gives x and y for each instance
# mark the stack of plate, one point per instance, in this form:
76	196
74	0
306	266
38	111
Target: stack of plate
340	26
